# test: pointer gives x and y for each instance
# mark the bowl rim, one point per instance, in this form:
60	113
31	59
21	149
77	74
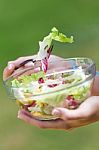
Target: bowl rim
92	63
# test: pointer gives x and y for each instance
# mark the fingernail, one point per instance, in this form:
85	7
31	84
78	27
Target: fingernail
19	117
56	112
10	66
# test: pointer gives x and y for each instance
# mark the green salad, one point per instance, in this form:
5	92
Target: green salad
40	92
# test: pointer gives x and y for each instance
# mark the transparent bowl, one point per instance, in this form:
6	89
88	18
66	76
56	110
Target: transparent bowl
69	83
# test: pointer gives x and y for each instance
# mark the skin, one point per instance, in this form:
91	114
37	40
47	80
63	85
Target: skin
87	113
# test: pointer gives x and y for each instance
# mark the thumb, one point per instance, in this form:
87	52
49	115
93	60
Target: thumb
67	114
8	71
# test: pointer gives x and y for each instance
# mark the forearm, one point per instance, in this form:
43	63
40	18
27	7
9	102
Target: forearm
95	89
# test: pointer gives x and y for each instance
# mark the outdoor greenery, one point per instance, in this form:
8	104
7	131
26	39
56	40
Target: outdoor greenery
23	23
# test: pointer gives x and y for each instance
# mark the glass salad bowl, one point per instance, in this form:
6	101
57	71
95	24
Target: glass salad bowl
66	85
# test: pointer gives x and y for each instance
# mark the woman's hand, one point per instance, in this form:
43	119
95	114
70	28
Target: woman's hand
12	65
87	113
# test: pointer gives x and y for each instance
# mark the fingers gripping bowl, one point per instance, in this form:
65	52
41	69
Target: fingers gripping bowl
67	85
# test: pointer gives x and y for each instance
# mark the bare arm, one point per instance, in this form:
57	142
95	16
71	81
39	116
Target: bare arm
95	90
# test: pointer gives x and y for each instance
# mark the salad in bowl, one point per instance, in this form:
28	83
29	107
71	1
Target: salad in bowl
38	89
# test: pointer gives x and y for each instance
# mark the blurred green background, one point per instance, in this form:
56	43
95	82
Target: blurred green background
22	24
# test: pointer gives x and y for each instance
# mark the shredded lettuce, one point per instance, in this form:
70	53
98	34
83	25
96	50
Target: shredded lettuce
36	76
53	99
25	79
80	93
15	83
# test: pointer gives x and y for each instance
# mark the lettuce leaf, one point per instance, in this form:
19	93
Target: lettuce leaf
46	43
60	36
